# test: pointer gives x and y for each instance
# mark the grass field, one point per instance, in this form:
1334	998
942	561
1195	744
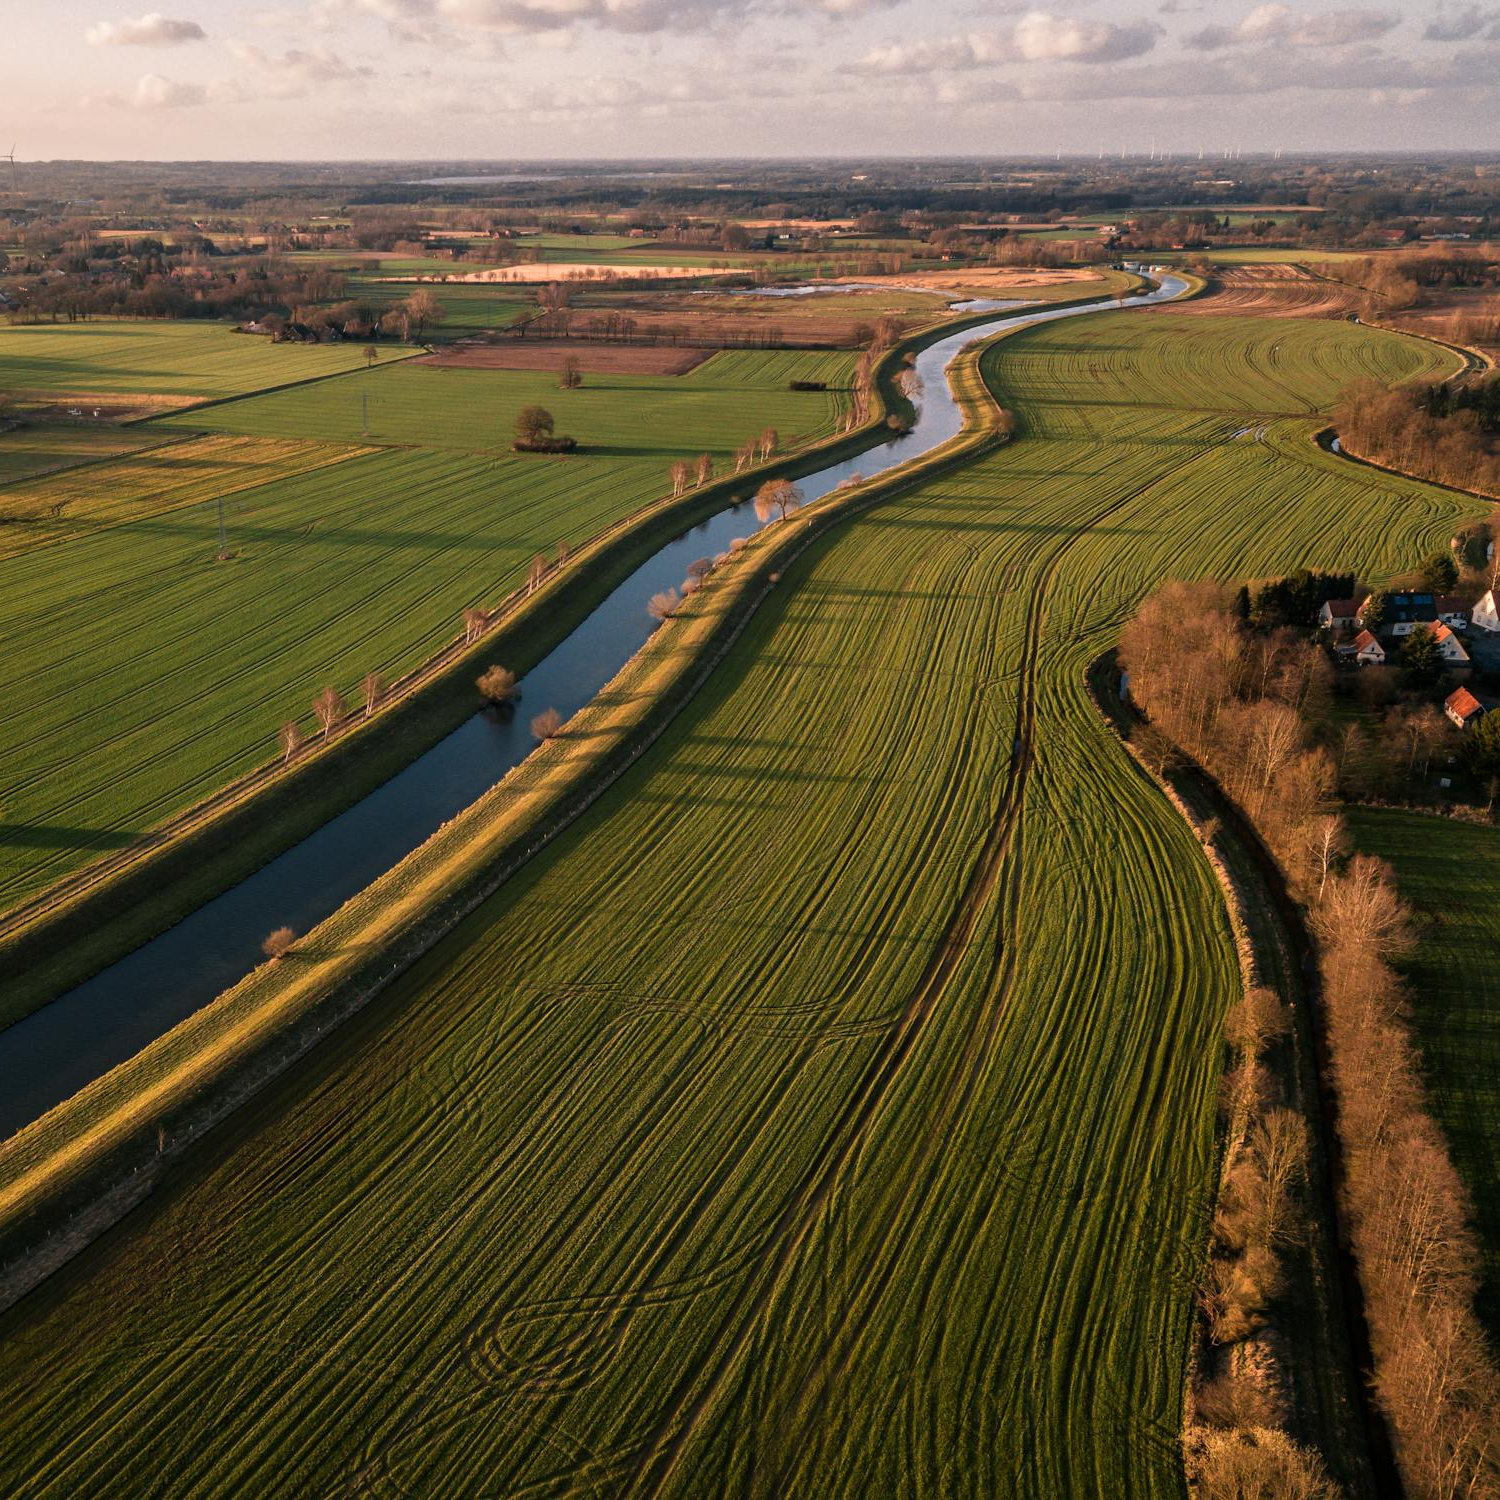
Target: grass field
145	674
1451	872
715	407
157	358
466	309
830	1110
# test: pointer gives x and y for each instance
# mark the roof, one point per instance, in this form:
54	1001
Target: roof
1365	639
1450	604
1342	608
1442	632
1462	703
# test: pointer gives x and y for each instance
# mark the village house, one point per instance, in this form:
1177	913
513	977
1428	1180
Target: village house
1450	648
1338	615
1368	652
1452	610
1404	611
1463	708
1486	614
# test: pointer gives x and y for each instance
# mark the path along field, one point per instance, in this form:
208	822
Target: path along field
143	673
1451	872
830	1111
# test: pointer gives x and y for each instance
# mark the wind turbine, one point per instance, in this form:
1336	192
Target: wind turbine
15	189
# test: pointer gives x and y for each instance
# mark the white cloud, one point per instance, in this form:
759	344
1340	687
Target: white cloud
1463	25
153	30
1039	36
1280	23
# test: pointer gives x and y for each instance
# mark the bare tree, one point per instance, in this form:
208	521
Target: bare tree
1256	1020
705	468
476	622
660	606
767	443
682	474
776	497
373	688
329	707
562	554
538	573
290	737
546	724
699	569
570	377
498	685
423	311
1328	836
276	943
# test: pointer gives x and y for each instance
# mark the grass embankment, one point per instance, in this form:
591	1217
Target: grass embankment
861	1039
1450	872
145	673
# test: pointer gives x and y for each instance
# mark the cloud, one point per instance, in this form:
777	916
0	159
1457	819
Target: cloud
1279	23
1043	37
1039	36
1463	25
153	30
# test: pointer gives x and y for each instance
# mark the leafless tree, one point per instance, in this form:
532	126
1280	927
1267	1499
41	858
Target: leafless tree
546	724
538	573
776	497
660	606
705	468
329	707
682	474
767	443
290	737
498	685
476	622
373	688
276	943
570	377
423	311
700	569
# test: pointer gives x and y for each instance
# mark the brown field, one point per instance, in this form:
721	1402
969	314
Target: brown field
1278	290
580	270
1462	315
991	279
549	354
48	406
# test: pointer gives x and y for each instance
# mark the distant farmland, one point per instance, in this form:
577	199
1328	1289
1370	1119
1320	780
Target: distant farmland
830	1110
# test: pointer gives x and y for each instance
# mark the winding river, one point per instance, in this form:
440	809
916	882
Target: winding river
52	1053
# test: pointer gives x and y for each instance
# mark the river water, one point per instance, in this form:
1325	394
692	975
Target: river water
51	1054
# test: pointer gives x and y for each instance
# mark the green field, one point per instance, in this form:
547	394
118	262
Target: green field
204	360
830	1111
466	309
144	674
715	407
1450	871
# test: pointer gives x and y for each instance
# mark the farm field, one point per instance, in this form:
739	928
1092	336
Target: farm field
1450	871
467	310
1271	291
40	448
184	360
715	407
829	1110
347	559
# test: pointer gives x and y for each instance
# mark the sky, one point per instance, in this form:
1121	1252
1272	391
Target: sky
524	79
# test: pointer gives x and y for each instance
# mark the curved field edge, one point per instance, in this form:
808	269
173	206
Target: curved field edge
1077	1198
83	922
81	1151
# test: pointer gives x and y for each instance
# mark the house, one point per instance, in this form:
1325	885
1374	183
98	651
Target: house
1368	652
1486	614
1404	611
1339	614
1450	648
1452	610
1463	708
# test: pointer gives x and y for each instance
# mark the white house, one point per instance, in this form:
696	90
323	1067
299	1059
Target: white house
1339	614
1450	648
1452	610
1486	614
1368	652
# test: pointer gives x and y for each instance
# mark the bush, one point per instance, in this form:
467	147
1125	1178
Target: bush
807	385
498	685
278	942
546	724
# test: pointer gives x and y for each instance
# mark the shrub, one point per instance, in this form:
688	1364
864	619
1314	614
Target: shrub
278	942
546	724
497	685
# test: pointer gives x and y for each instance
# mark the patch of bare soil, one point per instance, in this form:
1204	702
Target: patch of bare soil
551	354
48	406
1268	291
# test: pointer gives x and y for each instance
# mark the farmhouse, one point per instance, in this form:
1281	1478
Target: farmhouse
1339	614
1486	614
1463	708
1368	652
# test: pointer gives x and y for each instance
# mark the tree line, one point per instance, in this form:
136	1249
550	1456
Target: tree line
1243	704
1434	433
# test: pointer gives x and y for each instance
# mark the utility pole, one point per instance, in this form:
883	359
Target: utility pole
364	401
223	540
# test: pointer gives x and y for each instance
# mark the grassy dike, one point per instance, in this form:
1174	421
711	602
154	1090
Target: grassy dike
88	920
67	1177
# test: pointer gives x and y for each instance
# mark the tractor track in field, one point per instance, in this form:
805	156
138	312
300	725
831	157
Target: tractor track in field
696	1390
